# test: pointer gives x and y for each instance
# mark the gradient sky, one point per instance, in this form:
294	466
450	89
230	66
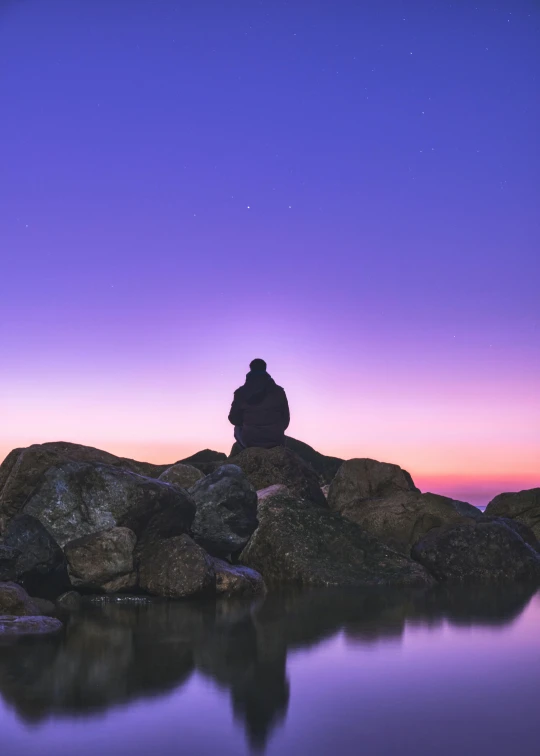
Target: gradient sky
348	190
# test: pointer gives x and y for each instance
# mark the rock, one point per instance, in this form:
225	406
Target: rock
40	566
100	557
45	607
325	467
15	600
70	601
181	475
466	509
226	511
325	490
402	519
75	499
123	584
23	469
176	568
266	467
267	493
206	461
8	561
478	551
298	543
522	530
523	506
235	581
18	626
359	479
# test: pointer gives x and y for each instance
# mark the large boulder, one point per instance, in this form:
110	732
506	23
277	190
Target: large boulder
15	601
298	543
181	475
326	467
267	467
176	568
206	460
75	499
478	551
40	564
226	511
383	499
237	581
99	558
23	469
523	506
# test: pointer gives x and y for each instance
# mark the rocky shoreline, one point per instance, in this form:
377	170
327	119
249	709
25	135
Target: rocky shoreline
76	521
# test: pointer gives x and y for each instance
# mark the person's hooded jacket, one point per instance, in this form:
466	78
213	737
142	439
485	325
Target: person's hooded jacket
261	410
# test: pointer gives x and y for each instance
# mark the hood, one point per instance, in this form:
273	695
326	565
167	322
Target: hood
256	386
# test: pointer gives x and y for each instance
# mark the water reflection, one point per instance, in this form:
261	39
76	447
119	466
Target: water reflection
112	653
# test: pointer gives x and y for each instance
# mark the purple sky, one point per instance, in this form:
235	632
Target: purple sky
348	190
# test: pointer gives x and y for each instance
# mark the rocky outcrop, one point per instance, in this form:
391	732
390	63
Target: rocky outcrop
523	506
236	581
226	511
101	558
39	565
15	601
176	568
383	499
326	467
23	469
267	467
181	475
478	551
75	499
298	543
206	460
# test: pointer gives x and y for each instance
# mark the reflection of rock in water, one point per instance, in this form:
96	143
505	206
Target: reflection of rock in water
111	654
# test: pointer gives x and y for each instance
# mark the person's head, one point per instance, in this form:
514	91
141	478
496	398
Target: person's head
257	366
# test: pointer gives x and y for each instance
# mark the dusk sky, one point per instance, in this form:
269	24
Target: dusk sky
349	190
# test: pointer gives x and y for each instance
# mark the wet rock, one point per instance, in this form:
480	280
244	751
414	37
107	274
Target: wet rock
23	469
8	561
298	543
181	475
76	499
17	626
101	557
123	584
226	511
478	551
176	568
70	601
40	565
15	600
236	581
523	506
267	467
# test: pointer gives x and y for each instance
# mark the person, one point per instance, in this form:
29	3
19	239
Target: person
260	410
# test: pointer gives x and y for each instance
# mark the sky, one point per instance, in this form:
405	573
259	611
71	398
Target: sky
348	190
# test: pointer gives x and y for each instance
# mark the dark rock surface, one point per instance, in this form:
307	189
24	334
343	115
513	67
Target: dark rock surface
14	600
226	511
299	543
326	467
236	581
8	561
70	601
206	460
22	470
181	475
40	565
523	506
267	467
18	626
176	568
359	479
478	552
75	499
100	557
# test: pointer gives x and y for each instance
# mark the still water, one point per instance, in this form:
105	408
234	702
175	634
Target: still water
445	673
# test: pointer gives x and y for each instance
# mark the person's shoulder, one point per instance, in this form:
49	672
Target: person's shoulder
239	391
280	389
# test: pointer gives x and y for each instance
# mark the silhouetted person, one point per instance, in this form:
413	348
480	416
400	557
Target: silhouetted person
260	411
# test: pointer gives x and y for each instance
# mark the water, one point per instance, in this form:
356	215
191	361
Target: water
446	673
